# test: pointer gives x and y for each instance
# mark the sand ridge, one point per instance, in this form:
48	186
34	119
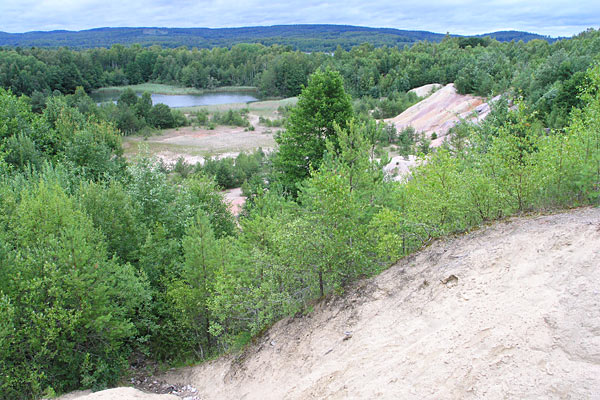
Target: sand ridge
509	311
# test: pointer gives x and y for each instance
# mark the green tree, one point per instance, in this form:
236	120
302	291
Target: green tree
67	308
144	105
321	105
191	294
160	117
128	97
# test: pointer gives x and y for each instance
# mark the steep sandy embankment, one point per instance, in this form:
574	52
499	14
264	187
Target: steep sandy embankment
440	112
508	312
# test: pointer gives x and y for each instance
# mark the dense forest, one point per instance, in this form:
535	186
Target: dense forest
307	38
106	263
547	75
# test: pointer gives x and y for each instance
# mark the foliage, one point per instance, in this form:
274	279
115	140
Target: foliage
160	116
103	260
547	75
321	104
232	173
231	118
387	107
70	306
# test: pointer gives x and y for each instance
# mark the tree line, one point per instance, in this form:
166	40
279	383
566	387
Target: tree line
307	38
546	75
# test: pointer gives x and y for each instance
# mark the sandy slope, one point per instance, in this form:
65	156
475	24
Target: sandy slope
440	112
124	393
511	311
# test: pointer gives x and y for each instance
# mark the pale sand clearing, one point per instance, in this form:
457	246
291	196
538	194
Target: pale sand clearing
193	144
511	311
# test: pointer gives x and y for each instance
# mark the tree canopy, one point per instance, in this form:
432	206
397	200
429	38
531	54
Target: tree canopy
321	105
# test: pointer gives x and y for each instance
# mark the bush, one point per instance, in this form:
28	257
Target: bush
271	123
231	118
160	116
231	173
201	117
179	118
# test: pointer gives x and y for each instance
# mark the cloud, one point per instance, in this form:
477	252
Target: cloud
551	17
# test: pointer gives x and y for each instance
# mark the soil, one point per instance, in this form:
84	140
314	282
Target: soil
123	393
399	167
426	90
235	199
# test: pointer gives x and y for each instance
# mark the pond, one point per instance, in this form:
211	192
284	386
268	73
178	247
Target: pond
186	100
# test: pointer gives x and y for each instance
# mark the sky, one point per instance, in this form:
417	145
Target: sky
464	17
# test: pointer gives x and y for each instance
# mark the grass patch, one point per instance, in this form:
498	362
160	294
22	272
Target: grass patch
266	108
133	146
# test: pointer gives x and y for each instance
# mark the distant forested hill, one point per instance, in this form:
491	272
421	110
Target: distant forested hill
508	36
307	38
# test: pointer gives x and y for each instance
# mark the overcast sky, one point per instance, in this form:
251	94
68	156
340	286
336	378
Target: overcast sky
549	17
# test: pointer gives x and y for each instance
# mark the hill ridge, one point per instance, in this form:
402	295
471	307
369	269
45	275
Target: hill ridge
303	37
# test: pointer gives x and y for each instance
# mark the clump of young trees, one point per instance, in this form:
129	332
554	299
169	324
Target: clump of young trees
132	113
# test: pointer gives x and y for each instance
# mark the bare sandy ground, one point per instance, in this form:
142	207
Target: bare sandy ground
196	143
399	167
440	112
124	393
511	311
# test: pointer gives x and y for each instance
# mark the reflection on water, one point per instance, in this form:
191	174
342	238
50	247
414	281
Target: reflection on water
186	100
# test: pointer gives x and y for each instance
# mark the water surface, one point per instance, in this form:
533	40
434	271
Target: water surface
186	100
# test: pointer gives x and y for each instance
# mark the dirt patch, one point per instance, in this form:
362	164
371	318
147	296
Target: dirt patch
509	311
117	394
399	167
